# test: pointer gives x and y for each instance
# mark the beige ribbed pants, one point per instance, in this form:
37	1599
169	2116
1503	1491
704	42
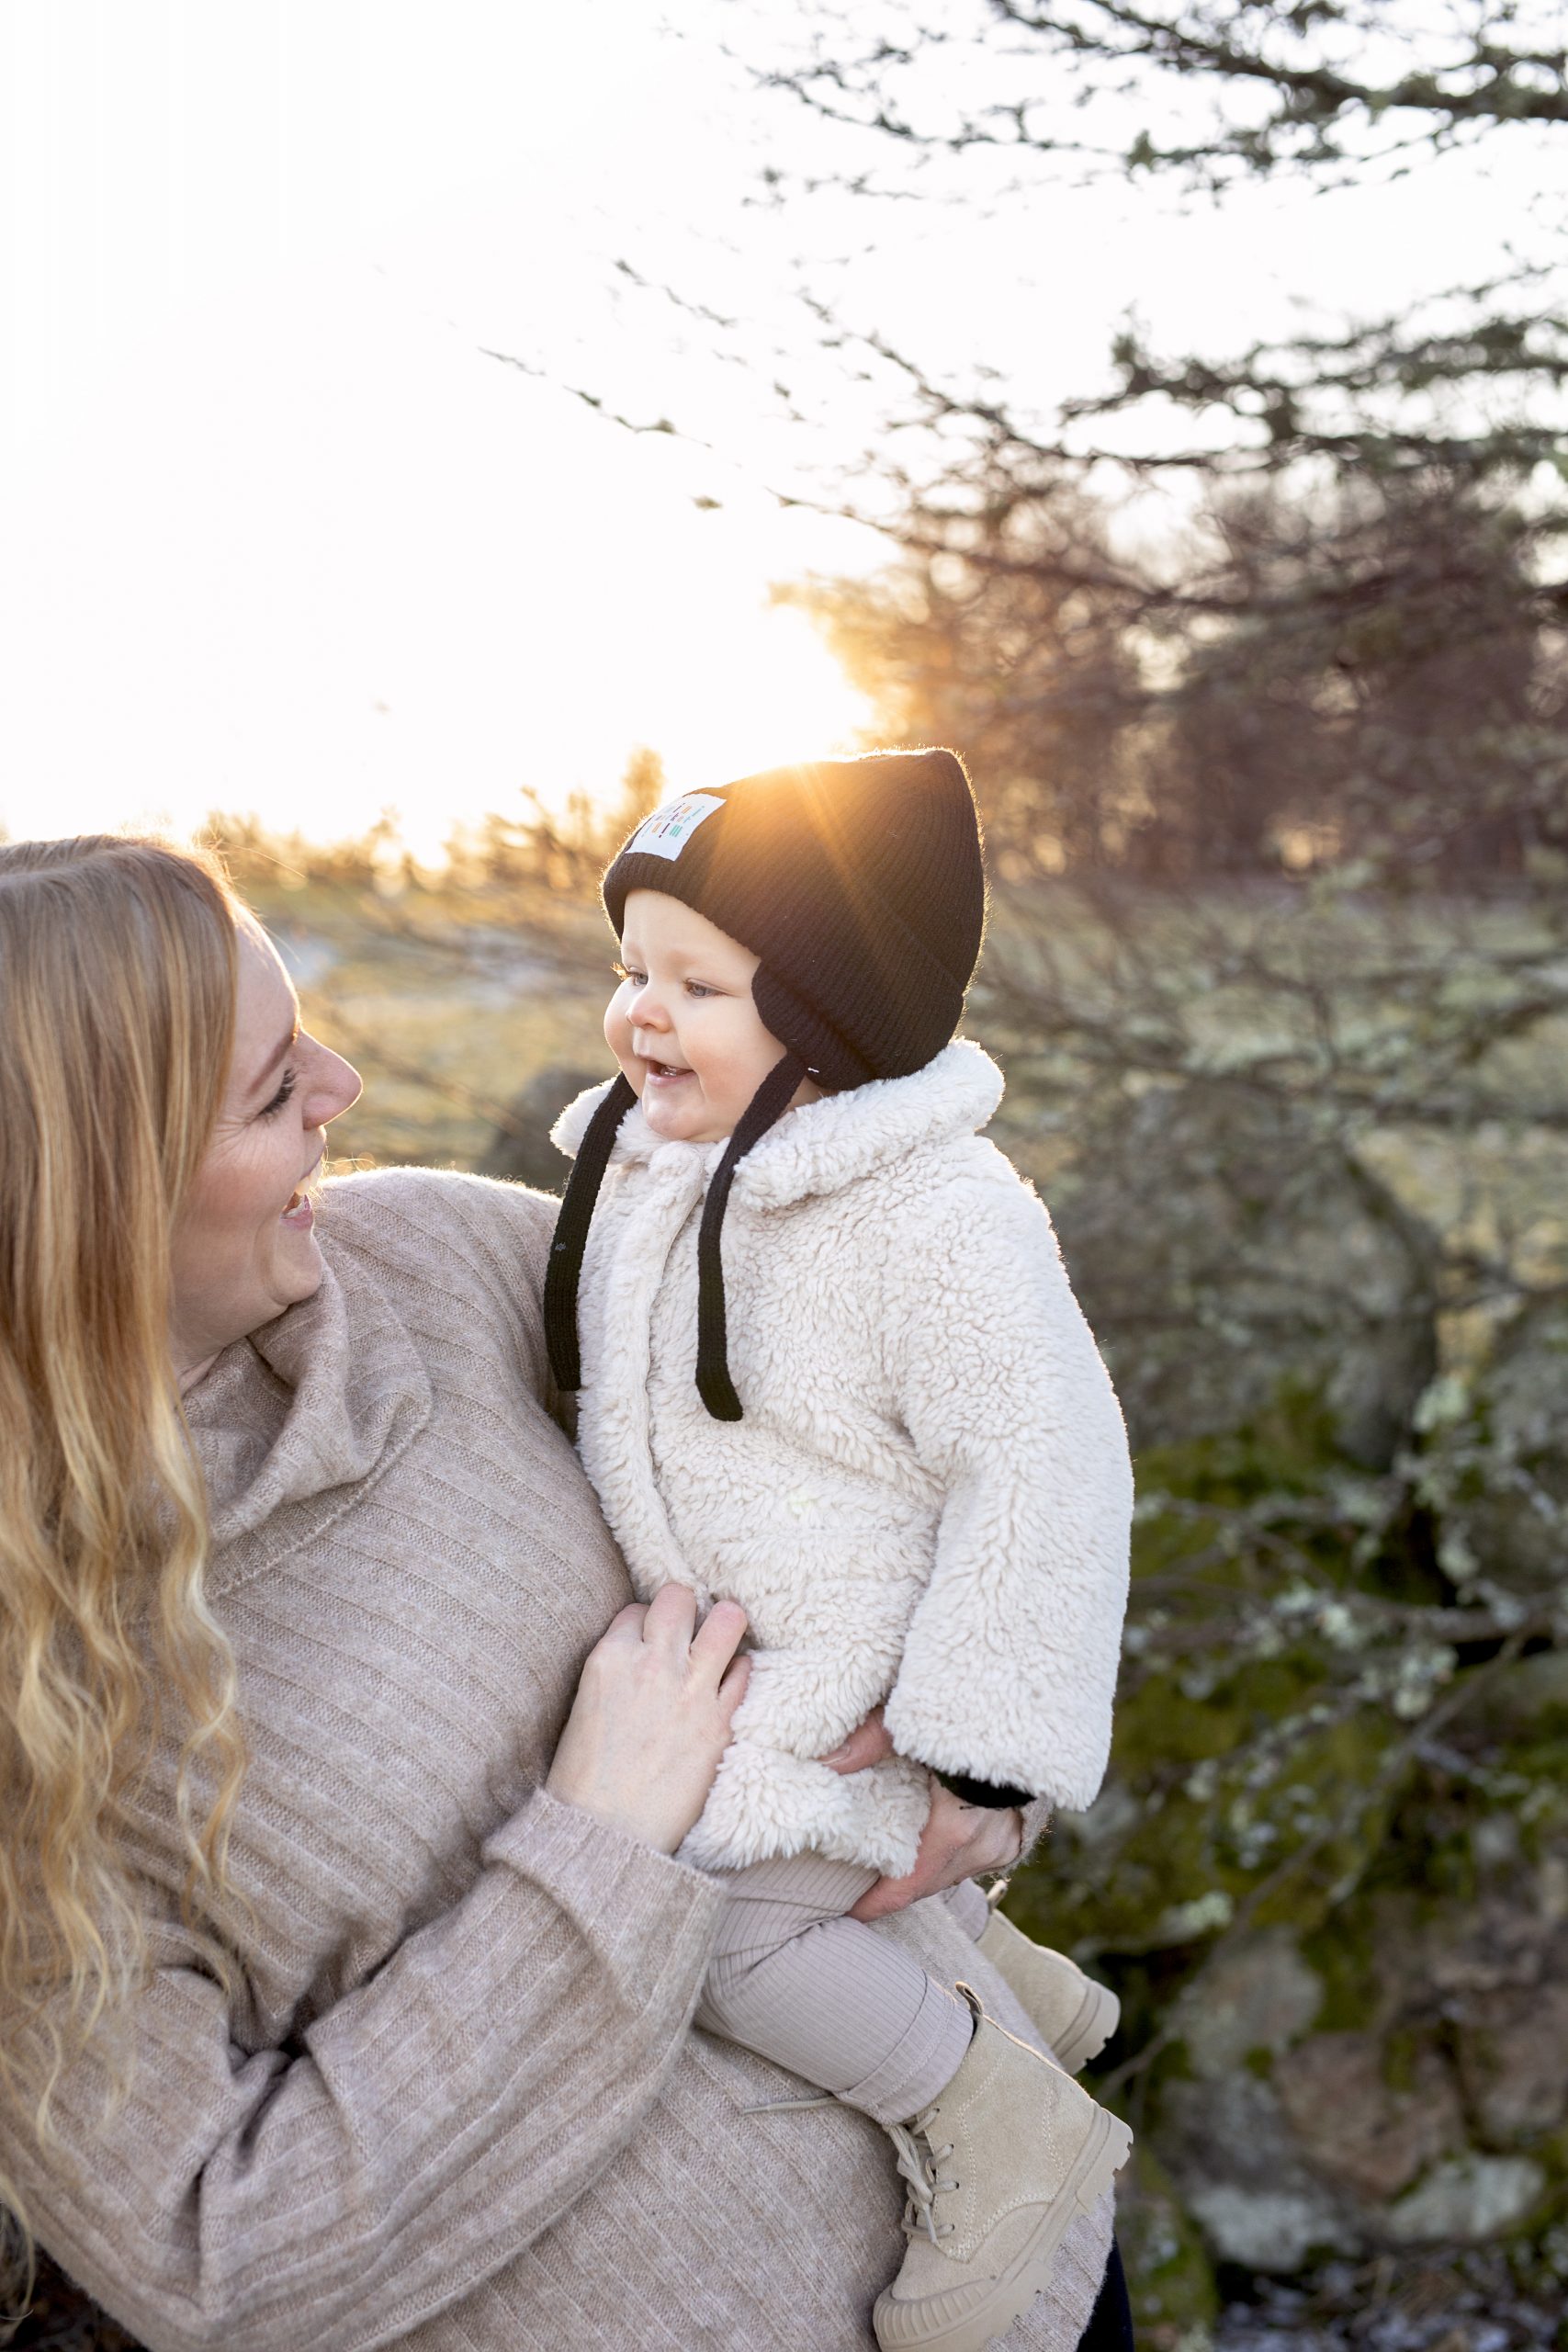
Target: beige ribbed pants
798	1981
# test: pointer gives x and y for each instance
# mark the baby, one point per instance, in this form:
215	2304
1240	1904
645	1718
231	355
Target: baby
832	1369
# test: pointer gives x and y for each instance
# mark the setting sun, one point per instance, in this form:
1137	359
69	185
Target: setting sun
537	597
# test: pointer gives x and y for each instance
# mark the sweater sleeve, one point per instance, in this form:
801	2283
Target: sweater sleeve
340	2190
1009	1667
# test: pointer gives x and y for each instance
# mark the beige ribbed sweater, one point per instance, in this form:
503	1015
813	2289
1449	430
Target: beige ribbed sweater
452	2100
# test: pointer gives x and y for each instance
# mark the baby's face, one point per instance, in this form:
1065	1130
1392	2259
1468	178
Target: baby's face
684	1025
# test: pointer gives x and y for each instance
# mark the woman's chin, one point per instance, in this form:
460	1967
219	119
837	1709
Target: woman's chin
300	1268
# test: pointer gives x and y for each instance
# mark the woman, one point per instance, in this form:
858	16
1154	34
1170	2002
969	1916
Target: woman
345	1969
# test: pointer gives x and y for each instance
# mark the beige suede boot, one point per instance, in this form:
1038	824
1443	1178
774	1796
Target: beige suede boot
1077	2016
996	2166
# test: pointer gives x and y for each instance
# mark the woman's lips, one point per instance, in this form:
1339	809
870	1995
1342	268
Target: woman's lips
297	1210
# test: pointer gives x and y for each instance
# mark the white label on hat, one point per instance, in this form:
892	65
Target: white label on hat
667	832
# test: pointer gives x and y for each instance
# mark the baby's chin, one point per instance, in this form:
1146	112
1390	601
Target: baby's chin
677	1122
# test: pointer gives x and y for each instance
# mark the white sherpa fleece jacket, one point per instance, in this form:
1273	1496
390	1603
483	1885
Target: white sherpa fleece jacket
928	1501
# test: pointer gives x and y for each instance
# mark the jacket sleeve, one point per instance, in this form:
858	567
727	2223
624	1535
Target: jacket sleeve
1010	1663
340	2190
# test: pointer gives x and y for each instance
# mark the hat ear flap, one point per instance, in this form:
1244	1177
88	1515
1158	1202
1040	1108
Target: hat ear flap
766	1107
823	1055
564	1269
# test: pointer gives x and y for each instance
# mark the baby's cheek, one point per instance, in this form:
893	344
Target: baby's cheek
618	1035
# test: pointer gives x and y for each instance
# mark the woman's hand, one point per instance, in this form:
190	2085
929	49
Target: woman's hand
651	1716
959	1840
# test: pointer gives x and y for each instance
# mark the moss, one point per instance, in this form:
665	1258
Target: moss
1170	2281
1214	1801
1287	1446
1264	1775
1552	2153
1402	2051
1343	1950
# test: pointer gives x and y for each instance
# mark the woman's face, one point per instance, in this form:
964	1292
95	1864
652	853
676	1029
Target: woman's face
244	1246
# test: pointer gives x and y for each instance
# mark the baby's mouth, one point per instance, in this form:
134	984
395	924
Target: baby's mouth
663	1070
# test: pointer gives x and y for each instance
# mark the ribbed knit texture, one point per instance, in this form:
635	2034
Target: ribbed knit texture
450	2102
794	1977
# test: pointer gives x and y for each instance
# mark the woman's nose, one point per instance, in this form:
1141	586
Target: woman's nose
335	1086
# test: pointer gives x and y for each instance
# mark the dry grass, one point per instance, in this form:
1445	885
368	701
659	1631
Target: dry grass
445	1014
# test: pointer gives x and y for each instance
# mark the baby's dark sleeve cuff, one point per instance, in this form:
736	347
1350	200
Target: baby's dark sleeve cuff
985	1792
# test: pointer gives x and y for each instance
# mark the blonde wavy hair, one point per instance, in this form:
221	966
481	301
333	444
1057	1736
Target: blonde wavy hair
118	963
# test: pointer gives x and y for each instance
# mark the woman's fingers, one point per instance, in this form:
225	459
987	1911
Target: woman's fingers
669	1618
651	1716
720	1637
868	1744
732	1685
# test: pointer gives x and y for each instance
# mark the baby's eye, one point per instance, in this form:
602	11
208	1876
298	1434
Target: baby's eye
629	972
697	988
285	1090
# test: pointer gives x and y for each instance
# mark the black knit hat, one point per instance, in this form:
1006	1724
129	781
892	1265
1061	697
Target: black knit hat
859	885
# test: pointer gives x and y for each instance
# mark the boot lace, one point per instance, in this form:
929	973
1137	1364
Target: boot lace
918	2160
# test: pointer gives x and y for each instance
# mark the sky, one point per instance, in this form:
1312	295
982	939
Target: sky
278	536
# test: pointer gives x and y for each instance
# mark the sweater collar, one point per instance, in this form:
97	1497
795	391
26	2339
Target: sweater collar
309	1408
823	1146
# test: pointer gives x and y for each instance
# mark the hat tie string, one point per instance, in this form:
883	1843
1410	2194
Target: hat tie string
766	1107
565	1268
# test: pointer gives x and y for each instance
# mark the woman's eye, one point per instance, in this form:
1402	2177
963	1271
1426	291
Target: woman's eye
285	1090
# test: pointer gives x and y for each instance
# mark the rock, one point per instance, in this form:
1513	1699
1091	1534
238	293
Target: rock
1232	1262
1498	1471
1263	2228
522	1150
1513	2057
1357	2131
1230	2151
1484	1948
1259	1995
1466	2199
